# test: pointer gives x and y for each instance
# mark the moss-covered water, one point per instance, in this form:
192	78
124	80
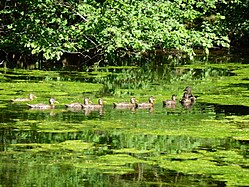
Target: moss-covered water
205	145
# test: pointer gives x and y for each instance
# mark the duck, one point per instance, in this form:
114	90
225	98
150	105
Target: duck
88	110
150	104
73	105
77	105
94	106
188	97
170	103
44	106
131	104
30	98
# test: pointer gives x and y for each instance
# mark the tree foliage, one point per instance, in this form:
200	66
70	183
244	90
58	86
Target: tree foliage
110	28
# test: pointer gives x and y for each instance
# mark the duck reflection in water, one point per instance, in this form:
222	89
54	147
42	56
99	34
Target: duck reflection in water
89	111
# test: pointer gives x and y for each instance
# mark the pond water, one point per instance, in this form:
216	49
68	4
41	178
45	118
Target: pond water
203	145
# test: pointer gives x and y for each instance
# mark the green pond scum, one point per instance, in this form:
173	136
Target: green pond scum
204	145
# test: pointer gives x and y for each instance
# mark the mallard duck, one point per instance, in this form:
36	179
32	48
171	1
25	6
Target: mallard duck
188	94
44	106
130	104
77	105
30	98
170	103
150	104
188	97
94	106
73	105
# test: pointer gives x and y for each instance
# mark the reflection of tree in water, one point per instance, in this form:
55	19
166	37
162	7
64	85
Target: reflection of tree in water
152	74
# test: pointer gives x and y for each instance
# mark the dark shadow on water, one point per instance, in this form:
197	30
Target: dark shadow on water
243	85
229	110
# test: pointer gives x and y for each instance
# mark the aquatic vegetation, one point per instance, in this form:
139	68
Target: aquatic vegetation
219	164
208	140
69	145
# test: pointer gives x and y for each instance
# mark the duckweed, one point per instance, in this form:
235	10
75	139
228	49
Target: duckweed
209	140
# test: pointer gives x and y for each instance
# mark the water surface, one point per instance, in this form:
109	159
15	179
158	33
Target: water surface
203	145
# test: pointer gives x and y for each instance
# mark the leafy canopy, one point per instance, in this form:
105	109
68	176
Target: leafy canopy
110	28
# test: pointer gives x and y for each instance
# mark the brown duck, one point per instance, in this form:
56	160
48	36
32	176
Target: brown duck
94	106
188	98
77	105
130	104
30	98
44	106
150	104
170	103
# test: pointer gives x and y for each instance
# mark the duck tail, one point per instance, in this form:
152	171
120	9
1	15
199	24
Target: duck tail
29	105
136	105
164	103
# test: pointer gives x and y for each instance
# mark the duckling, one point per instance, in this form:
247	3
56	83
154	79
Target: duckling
77	105
94	106
73	105
170	103
150	104
30	98
131	104
44	106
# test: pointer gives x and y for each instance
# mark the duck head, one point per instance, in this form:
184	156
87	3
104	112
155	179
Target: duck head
151	100
86	101
52	101
133	100
101	101
173	97
188	90
32	96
